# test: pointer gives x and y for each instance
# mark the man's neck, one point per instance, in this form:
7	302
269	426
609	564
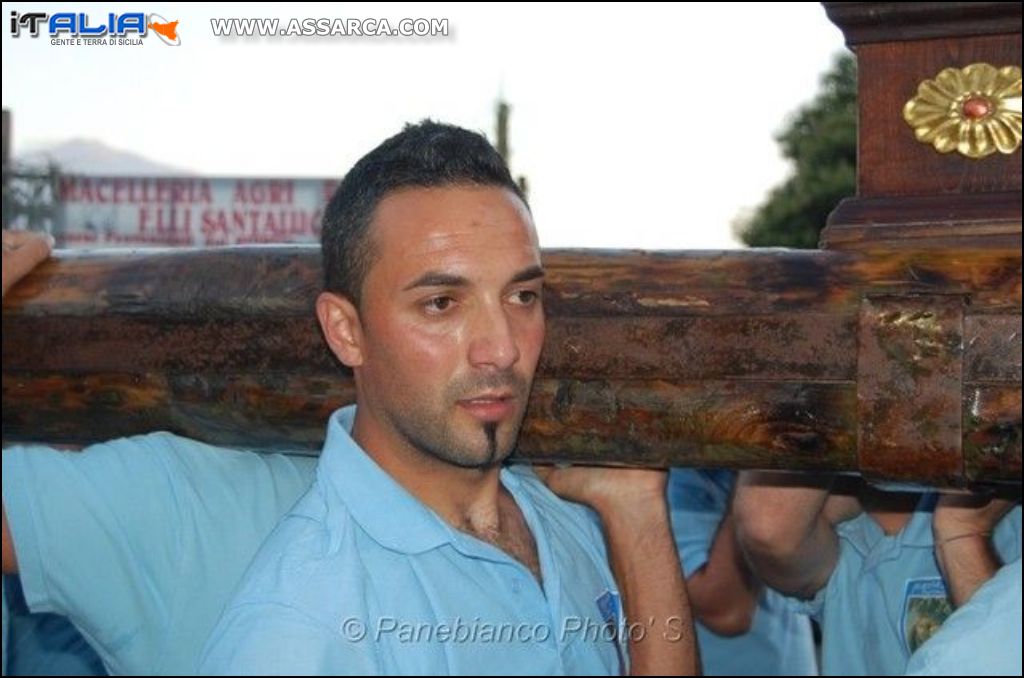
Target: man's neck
891	510
471	500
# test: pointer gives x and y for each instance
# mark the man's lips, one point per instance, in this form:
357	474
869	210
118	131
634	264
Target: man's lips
490	407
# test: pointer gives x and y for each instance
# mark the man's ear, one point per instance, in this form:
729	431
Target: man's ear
339	320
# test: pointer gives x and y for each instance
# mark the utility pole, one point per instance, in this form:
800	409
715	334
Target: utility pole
501	115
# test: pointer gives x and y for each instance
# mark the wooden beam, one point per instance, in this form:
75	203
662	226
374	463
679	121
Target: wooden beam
740	359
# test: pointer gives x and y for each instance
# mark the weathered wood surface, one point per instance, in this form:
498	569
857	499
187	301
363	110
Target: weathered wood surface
738	359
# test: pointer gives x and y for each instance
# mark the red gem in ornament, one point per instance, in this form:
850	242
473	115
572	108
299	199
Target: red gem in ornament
976	108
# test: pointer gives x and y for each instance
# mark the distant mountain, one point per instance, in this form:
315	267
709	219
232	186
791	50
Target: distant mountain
87	156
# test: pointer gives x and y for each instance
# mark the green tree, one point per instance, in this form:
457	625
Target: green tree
821	141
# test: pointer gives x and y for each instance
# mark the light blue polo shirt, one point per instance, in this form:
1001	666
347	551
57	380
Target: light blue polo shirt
140	541
779	642
886	595
362	578
983	637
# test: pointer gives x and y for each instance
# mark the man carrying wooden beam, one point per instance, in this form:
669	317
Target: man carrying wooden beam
415	551
138	541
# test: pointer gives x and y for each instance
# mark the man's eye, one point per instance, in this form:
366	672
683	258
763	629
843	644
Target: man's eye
438	304
525	297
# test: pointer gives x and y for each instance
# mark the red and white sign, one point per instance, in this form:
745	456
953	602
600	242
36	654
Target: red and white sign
189	211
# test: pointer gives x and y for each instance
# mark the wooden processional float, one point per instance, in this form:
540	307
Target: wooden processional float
894	351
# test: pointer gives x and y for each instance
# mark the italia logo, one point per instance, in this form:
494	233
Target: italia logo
81	28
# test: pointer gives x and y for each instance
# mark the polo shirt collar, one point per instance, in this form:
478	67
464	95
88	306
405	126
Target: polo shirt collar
388	513
385	510
865	535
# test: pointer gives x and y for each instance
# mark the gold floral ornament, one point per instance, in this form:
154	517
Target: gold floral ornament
974	110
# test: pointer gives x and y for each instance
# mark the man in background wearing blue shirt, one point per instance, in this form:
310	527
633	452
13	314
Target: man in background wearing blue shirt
879	570
137	541
743	628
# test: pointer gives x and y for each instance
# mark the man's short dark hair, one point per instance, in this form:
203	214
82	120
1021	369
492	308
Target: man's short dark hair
426	155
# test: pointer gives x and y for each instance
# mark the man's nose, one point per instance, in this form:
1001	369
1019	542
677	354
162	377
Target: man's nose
493	343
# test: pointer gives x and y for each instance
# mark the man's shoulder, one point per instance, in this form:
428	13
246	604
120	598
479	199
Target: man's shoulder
162	452
200	457
304	583
311	550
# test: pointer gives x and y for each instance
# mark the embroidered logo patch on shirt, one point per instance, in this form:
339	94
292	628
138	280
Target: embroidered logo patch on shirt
926	605
610	606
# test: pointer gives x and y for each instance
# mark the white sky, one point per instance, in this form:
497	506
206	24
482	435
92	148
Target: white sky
638	125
